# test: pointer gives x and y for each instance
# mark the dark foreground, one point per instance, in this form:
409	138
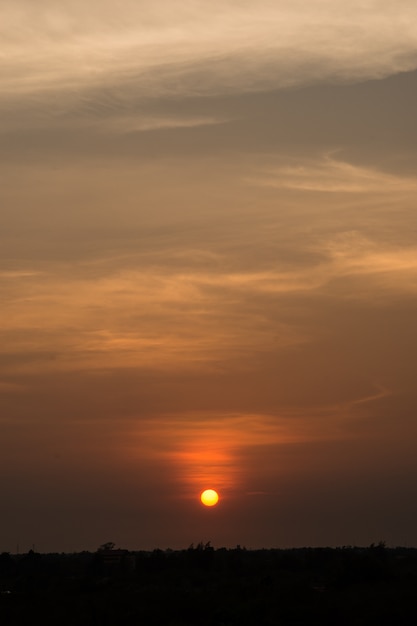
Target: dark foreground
207	587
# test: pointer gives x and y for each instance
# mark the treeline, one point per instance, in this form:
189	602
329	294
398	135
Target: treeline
211	587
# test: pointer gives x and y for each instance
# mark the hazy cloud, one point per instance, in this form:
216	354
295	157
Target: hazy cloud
187	48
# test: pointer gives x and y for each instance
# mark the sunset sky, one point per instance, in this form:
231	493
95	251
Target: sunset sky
208	240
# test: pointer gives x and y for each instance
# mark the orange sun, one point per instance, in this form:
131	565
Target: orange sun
209	497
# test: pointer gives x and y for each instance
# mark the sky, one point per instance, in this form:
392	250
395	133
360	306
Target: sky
208	273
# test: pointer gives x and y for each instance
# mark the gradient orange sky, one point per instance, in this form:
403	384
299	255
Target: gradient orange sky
208	273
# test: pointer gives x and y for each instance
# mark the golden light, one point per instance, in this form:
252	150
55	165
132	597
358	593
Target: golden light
209	497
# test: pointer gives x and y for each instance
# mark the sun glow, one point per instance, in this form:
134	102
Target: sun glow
209	497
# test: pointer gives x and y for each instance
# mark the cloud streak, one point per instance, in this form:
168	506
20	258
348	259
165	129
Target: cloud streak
135	318
331	175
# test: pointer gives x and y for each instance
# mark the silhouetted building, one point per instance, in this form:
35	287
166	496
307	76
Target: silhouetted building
117	559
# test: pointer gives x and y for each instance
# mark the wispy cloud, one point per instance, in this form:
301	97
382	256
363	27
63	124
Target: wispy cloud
135	124
386	270
331	175
135	318
194	47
